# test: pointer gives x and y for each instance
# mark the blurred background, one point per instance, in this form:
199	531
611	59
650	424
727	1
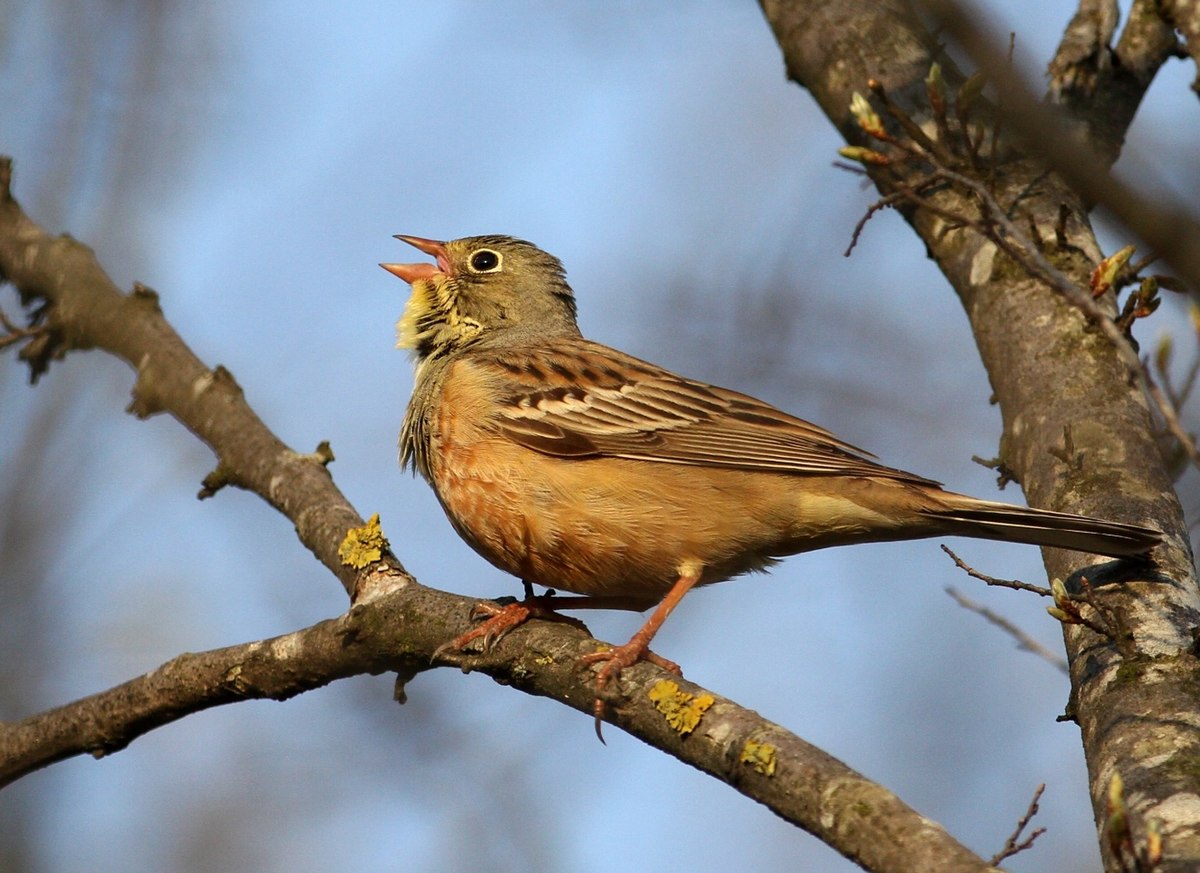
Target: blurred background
250	162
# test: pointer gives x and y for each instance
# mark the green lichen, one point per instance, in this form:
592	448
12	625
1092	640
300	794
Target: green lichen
862	808
1184	767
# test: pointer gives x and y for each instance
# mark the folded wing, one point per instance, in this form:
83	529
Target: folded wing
598	402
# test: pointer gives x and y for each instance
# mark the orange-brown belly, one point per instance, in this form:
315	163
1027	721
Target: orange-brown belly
623	527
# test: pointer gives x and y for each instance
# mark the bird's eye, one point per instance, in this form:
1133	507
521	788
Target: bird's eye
485	261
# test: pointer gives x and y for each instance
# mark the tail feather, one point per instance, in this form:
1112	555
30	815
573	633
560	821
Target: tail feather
1041	527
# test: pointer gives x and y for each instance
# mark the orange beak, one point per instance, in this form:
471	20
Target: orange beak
411	273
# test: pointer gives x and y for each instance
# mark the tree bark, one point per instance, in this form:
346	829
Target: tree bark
1078	434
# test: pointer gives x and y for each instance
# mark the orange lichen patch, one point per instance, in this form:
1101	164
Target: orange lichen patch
364	545
683	711
760	756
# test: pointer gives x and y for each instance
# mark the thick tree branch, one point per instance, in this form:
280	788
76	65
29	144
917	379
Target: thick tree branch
1077	434
1146	42
1099	85
395	623
79	307
1184	16
1167	225
763	761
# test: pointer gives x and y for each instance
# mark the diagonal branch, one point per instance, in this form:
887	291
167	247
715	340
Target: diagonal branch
796	780
79	307
1167	224
1101	85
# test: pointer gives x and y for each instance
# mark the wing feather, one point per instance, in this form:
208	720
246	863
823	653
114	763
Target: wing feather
587	400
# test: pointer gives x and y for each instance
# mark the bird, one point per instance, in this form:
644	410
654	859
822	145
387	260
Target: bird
575	466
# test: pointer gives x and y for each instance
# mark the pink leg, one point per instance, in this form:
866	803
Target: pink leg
499	620
638	648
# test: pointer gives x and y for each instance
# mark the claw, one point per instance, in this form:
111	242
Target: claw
598	711
616	659
499	618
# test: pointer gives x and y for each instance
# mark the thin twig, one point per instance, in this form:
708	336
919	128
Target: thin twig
877	206
1011	846
1170	418
1015	584
1106	623
997	226
1189	384
1110	623
1024	640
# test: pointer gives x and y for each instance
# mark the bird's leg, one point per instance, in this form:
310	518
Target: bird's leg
637	649
499	619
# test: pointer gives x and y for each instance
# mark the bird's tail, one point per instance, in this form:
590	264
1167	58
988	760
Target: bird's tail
969	517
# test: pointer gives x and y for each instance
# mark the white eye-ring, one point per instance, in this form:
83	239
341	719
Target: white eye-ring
485	261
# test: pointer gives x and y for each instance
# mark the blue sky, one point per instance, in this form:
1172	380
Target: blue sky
251	163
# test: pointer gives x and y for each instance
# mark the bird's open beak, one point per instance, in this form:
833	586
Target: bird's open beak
411	273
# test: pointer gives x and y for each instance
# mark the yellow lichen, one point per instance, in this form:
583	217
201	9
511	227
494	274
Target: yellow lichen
364	545
682	710
760	756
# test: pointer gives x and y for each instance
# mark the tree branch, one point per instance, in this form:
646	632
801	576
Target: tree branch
1184	16
1101	87
79	307
1166	224
797	781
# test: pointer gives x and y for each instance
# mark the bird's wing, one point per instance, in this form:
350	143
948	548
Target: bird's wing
579	399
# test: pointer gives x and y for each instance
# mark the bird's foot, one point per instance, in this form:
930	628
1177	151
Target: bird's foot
615	660
500	618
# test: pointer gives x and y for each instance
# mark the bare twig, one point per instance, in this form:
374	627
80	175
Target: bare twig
1014	584
1108	622
1011	846
877	206
1066	607
996	224
1170	418
1024	640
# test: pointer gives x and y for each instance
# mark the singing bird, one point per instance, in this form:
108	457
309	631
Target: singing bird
578	467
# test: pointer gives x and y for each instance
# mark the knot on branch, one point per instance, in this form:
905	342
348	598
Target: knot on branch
145	297
220	476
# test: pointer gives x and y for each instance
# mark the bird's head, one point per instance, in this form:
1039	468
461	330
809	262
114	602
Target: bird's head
479	286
